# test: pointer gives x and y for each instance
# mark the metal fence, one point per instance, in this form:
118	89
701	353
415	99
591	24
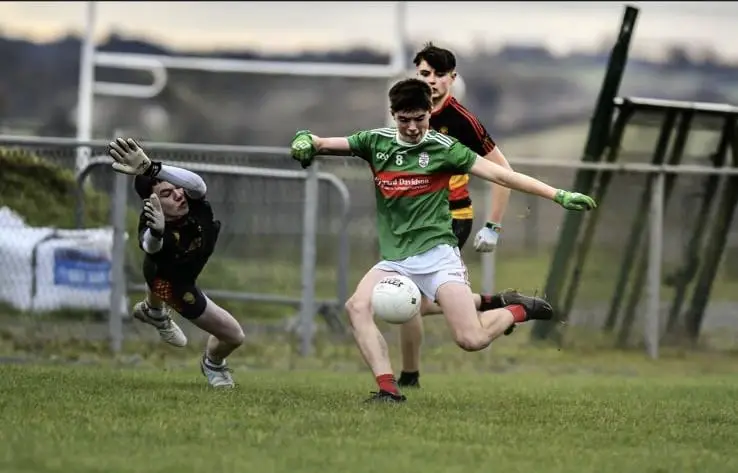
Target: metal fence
278	219
284	239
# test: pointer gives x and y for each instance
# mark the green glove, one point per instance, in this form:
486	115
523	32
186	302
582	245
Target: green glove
574	200
302	148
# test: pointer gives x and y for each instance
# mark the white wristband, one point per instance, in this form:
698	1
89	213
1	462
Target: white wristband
150	243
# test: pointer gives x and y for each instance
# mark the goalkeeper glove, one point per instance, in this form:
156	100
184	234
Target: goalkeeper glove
154	215
131	159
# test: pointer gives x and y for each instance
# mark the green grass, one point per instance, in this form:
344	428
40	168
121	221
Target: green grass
106	419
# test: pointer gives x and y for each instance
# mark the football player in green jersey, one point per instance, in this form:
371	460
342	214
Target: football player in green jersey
412	166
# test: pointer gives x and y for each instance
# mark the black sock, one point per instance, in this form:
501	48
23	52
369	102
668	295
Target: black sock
409	375
490	302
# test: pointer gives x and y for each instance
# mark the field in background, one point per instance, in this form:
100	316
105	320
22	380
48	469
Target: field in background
515	407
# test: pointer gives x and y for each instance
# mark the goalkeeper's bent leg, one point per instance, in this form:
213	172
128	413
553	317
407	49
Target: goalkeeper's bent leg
154	301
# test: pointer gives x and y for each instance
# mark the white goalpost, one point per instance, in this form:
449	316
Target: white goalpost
158	65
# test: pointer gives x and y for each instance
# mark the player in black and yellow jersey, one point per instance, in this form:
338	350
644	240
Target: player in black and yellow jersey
437	67
177	232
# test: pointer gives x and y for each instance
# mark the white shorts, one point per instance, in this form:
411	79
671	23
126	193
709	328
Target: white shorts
431	269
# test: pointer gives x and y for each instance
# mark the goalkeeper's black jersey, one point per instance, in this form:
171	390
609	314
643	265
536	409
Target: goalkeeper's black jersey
188	243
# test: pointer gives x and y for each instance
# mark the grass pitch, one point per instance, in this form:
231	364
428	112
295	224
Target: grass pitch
106	419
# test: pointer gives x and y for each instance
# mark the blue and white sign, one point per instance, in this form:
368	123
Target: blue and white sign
81	269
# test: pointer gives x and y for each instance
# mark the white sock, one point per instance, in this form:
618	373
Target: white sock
156	312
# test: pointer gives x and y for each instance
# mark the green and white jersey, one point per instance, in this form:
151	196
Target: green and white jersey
411	182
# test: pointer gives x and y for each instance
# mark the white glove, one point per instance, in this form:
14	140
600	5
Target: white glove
129	157
486	239
154	215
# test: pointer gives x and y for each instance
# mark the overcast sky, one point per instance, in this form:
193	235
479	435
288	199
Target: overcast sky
289	26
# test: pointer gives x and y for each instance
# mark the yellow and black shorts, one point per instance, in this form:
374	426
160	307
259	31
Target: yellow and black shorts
462	228
463	219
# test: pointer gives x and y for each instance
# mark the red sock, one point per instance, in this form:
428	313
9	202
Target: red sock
518	312
387	382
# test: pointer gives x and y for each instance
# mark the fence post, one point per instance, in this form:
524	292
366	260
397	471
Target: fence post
309	257
655	251
117	270
86	89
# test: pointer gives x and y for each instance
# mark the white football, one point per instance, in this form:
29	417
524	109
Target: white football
396	299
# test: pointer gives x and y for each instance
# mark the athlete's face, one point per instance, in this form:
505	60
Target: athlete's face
173	201
412	124
440	82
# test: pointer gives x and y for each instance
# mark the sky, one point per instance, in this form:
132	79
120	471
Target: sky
293	26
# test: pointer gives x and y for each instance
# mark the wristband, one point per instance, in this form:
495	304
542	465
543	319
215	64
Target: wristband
153	170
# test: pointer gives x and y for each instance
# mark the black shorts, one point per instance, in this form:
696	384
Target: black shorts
462	229
182	296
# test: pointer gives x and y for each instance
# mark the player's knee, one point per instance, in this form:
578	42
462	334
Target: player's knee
359	310
471	341
236	336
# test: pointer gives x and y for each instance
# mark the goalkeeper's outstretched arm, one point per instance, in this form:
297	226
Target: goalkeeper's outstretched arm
130	158
191	182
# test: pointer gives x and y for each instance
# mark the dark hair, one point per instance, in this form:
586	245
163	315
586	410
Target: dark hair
144	185
410	94
440	59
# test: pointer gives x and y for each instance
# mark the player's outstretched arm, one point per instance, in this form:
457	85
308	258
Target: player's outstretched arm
131	159
337	146
521	182
305	146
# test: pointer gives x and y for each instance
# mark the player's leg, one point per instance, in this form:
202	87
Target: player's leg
473	330
369	339
411	333
153	311
226	334
536	307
